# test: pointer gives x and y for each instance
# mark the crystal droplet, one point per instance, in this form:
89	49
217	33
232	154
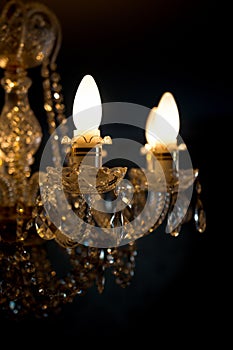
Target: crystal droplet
198	187
175	232
100	279
176	215
64	241
118	223
43	230
200	216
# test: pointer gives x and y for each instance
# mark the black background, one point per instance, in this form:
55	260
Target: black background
136	51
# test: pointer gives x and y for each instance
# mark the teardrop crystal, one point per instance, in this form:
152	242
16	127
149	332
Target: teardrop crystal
200	216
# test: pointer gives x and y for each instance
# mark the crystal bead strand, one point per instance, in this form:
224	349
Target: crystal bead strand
53	106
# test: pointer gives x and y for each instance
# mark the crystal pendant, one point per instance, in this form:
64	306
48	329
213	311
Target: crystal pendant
199	213
176	215
117	223
200	216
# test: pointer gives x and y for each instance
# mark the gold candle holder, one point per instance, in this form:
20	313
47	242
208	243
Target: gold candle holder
86	152
163	161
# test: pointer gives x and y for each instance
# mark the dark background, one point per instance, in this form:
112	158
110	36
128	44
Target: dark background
136	51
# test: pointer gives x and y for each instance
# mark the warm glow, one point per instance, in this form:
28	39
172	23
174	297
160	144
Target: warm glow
87	108
150	127
163	123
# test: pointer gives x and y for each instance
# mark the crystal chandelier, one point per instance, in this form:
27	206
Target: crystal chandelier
92	213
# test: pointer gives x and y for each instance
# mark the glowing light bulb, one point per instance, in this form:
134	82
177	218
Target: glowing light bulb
163	123
87	108
150	127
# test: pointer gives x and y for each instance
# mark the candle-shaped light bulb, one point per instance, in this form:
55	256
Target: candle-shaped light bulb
87	108
162	128
150	127
87	113
163	123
